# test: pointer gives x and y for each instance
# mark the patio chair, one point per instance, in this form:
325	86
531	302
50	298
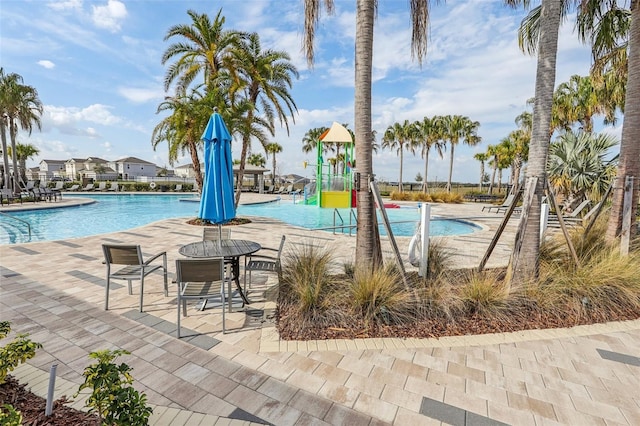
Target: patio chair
505	204
89	187
113	187
266	259
269	190
213	233
102	186
201	279
136	268
73	187
289	189
178	188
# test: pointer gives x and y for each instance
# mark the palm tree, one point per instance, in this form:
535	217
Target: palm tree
577	165
368	250
614	33
183	128
525	259
482	157
202	48
19	106
273	149
578	100
400	137
257	160
24	153
311	139
455	129
494	161
263	78
430	134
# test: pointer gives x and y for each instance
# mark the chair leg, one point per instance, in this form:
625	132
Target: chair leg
166	284
106	295
130	289
178	332
141	291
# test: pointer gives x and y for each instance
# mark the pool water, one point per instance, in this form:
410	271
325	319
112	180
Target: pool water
113	213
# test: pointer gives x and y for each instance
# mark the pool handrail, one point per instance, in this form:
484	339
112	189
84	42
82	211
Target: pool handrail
19	220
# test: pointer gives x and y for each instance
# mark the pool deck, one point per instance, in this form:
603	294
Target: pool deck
55	291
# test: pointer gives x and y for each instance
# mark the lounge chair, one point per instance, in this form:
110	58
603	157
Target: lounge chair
266	259
89	187
505	204
178	188
102	186
136	268
7	194
113	187
574	216
280	190
269	190
74	187
201	279
289	189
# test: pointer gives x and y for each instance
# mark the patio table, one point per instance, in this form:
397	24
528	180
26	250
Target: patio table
229	249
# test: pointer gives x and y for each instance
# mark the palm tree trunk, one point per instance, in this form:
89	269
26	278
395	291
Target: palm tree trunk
273	172
525	259
243	155
493	180
499	180
368	251
450	168
5	155
193	150
13	130
629	162
425	184
401	163
481	175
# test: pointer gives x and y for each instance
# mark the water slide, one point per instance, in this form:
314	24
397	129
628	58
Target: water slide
312	200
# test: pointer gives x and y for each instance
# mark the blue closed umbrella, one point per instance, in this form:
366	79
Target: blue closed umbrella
217	202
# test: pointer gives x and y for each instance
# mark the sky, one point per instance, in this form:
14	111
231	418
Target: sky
96	65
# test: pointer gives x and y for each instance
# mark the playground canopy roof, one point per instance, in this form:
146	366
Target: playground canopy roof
337	133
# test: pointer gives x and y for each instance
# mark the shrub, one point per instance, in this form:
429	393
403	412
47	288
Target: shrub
440	258
484	293
401	196
380	296
306	277
113	398
9	416
421	196
16	352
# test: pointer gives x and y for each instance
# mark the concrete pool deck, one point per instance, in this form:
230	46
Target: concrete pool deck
54	290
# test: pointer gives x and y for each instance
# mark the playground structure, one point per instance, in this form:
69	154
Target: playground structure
333	188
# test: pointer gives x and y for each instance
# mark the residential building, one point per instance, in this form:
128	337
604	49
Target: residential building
130	168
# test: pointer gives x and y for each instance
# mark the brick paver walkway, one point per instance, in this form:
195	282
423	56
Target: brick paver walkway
54	290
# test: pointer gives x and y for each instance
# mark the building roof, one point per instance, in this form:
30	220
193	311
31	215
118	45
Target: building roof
132	160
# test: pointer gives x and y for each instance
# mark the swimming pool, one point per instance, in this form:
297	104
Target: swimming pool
113	213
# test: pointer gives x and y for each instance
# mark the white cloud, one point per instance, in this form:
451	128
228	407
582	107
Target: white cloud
69	120
110	16
59	5
140	95
46	64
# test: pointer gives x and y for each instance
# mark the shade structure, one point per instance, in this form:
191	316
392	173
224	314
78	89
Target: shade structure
217	200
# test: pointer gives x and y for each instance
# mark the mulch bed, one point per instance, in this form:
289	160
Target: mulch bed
32	407
232	222
525	319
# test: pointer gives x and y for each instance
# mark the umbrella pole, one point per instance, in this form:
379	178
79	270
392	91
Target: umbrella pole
219	235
